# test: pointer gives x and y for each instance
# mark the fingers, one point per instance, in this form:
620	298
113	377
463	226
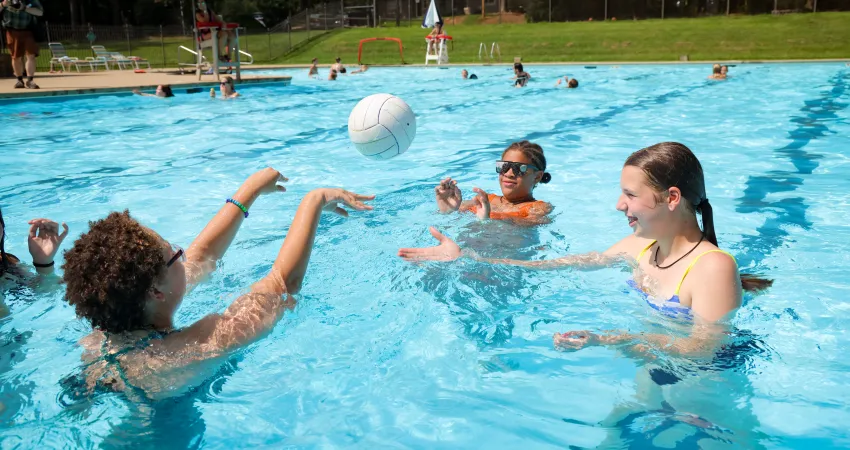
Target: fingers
281	178
437	235
414	254
280	188
64	231
33	229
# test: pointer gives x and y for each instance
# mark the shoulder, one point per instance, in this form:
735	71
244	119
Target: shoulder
714	263
630	245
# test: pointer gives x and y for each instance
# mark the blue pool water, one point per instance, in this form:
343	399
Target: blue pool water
385	354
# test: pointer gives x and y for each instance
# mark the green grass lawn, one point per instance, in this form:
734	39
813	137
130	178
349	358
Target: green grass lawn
793	36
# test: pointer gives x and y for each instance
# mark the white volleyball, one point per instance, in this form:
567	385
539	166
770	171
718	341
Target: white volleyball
381	126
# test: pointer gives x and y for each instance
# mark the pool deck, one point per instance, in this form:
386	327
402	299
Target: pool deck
105	82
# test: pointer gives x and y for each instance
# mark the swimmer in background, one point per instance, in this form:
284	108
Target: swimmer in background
717	73
521	168
332	75
724	70
162	91
571	83
362	69
314	68
466	76
520	75
228	90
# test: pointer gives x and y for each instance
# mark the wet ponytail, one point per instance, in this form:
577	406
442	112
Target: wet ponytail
671	164
704	208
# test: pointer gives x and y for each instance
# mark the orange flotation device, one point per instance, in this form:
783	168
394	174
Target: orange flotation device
521	212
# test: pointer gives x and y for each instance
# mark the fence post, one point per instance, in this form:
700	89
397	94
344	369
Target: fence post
606	10
727	6
269	34
325	9
550	11
307	16
662	9
127	33
289	31
162	45
815	6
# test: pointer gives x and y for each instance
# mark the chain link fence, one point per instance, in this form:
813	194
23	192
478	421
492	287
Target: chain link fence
165	46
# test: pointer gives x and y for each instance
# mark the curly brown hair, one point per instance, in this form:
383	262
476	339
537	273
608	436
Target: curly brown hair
110	269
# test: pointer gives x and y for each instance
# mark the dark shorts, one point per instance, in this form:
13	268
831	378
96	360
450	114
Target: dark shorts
21	42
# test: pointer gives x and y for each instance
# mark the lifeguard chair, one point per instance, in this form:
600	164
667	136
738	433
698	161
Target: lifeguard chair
437	49
212	43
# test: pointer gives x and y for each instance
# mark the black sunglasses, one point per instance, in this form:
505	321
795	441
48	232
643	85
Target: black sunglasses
177	255
502	167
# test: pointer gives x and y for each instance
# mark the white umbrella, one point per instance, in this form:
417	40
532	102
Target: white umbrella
432	17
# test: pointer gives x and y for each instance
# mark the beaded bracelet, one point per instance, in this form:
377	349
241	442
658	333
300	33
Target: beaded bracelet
241	206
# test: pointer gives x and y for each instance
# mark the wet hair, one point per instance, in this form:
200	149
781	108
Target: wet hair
473	77
715	69
333	74
533	152
166	88
573	83
229	81
671	164
518	66
342	70
315	60
109	271
337	59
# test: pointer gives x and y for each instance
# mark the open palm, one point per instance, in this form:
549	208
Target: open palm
44	239
447	250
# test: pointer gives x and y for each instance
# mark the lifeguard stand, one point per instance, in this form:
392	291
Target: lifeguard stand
437	49
215	28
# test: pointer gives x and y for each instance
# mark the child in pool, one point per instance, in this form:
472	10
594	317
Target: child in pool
520	169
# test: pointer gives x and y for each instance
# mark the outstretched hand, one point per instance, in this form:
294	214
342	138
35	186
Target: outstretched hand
575	340
447	250
448	195
333	197
44	239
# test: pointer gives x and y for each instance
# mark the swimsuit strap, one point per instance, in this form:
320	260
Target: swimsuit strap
691	265
642	252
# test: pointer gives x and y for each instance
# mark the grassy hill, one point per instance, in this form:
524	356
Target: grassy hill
793	36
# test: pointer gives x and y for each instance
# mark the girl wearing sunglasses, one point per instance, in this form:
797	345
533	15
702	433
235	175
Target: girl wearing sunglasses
128	282
521	167
228	90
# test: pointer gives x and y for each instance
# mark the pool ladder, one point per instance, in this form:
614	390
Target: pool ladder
495	53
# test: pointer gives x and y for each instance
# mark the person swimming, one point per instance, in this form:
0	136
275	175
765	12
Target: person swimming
717	73
571	83
162	91
128	281
677	265
521	168
520	75
314	68
464	74
228	89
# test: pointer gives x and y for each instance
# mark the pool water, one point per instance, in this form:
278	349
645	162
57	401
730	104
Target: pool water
381	353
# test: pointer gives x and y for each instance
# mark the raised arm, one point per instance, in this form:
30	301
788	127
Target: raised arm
216	237
254	314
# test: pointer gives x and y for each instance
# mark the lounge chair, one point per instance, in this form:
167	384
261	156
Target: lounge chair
118	59
115	59
60	56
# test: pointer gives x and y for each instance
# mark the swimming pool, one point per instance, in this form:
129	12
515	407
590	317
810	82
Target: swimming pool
382	353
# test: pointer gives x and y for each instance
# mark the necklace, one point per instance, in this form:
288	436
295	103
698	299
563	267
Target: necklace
681	258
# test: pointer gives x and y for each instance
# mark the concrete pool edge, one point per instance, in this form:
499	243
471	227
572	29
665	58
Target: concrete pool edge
146	85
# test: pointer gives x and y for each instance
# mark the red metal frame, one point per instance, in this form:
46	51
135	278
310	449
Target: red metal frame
362	41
